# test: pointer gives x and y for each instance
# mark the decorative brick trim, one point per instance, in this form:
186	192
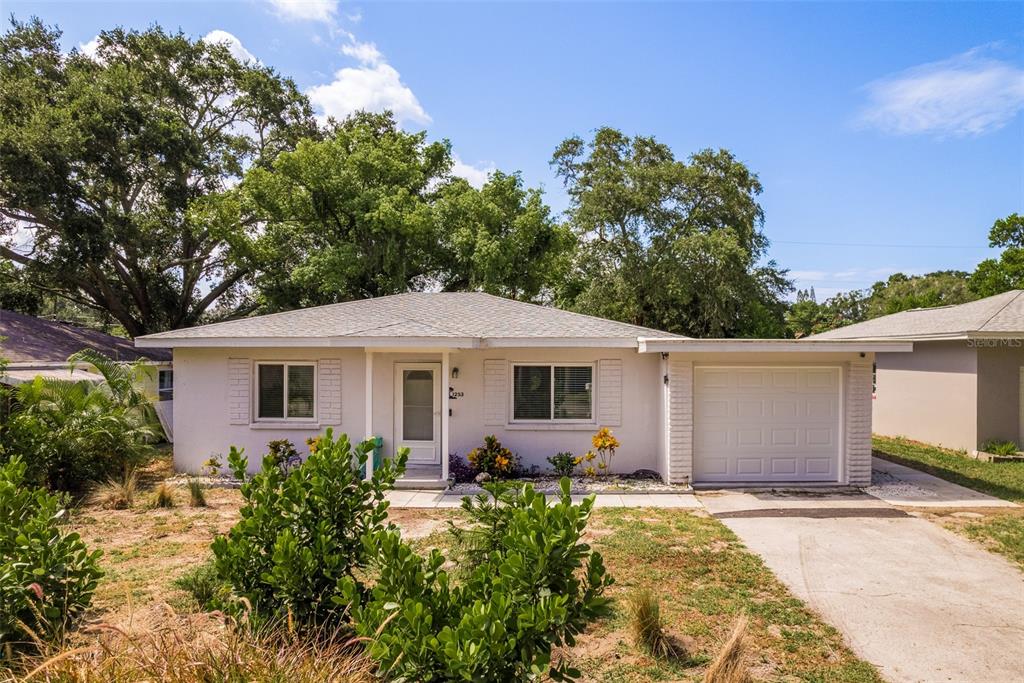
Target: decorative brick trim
239	387
680	421
609	392
329	391
858	423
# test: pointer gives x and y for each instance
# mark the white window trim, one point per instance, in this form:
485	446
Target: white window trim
256	392
552	420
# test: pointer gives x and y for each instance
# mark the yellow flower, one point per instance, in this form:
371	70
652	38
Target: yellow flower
589	456
578	460
602	466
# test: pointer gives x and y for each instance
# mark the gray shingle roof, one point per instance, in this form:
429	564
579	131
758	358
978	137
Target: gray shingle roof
419	314
1002	314
27	339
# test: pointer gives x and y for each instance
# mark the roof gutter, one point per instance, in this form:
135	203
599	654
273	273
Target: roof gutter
663	345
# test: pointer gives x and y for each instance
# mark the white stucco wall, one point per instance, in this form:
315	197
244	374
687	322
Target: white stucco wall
206	413
213	403
203	400
929	395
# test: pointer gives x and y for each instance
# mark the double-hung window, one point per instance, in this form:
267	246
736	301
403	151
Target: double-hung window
285	391
549	392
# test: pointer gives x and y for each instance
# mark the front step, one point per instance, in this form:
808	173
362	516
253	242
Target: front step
421	484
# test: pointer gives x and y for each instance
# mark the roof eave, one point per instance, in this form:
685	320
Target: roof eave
660	345
307	342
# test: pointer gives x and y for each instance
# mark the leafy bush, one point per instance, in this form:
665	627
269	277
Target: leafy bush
537	589
283	452
604	443
563	463
47	577
301	531
75	432
1000	447
459	469
494	459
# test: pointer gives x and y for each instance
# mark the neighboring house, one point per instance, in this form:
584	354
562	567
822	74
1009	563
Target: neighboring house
438	372
962	384
35	347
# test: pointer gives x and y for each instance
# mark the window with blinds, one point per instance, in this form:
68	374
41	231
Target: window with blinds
285	391
553	392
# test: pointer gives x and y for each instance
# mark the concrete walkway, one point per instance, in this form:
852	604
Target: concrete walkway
440	499
906	487
916	600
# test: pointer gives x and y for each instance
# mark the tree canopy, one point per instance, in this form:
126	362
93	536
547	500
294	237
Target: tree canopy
675	245
101	158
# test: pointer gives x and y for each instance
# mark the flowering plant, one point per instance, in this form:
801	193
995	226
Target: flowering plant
604	443
493	458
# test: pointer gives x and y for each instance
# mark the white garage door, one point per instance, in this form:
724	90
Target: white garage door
755	424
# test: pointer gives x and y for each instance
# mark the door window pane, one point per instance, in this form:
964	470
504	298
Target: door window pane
417	405
271	391
573	393
531	392
300	391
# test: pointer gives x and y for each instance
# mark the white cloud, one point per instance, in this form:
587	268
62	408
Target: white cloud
966	95
364	53
368	88
90	48
828	283
305	10
233	44
476	175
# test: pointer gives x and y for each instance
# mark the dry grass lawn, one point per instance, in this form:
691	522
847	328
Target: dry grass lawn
703	575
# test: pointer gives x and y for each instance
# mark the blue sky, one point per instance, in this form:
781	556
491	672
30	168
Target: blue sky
887	124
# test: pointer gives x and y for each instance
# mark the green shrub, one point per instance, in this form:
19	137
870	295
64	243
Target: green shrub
196	494
539	588
1000	447
283	452
301	531
47	577
494	459
563	463
72	433
204	584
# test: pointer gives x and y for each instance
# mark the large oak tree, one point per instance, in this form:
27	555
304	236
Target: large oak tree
103	158
670	244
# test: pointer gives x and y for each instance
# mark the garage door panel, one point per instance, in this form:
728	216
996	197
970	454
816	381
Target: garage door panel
766	424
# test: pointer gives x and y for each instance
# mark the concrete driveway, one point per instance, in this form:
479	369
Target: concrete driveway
917	601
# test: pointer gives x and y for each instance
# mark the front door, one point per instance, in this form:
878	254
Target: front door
418	411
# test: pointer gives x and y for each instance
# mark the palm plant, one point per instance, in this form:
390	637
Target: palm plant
75	431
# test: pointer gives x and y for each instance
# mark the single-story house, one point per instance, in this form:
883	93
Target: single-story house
436	372
35	347
963	383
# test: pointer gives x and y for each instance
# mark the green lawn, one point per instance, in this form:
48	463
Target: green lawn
1000	530
1000	479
